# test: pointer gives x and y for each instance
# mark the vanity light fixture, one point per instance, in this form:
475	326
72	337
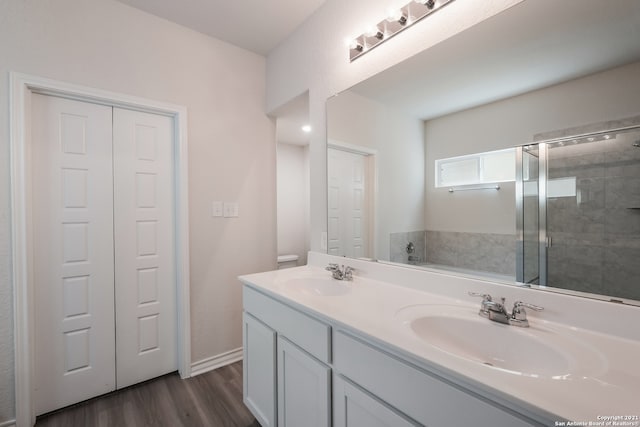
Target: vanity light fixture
595	137
306	128
395	21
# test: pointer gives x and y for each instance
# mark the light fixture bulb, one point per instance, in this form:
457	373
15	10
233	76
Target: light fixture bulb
306	128
374	31
354	44
396	15
429	3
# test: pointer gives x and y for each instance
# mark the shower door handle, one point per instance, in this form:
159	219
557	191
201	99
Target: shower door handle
548	242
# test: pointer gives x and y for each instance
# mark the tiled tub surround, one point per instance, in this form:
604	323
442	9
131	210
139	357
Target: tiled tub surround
494	253
596	234
398	247
481	252
379	292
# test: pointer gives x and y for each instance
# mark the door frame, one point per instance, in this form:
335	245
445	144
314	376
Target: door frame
22	86
371	155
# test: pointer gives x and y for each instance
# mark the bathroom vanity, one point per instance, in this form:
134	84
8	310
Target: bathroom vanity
372	352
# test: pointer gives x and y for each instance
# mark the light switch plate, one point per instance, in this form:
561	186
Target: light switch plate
230	210
216	209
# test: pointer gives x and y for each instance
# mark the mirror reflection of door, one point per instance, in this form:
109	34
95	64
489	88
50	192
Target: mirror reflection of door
349	203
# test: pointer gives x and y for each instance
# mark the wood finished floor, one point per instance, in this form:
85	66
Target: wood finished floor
211	399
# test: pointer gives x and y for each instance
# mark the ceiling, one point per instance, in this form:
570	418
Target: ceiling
258	26
532	45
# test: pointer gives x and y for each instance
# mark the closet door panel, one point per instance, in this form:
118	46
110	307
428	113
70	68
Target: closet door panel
72	259
145	277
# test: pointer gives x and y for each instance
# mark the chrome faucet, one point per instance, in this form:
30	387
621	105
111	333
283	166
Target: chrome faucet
497	312
340	272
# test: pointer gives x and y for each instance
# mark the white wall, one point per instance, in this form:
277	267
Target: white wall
293	200
607	95
315	58
398	139
108	45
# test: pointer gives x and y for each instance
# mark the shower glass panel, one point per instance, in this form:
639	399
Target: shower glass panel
529	271
592	214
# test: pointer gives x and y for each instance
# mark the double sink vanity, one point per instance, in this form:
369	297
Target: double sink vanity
397	346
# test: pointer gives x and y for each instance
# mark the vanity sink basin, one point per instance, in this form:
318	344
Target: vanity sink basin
320	286
534	352
492	344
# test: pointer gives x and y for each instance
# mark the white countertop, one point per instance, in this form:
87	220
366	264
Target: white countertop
609	384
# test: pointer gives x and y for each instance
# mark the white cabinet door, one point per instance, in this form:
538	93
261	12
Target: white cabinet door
353	407
303	388
72	260
145	277
259	370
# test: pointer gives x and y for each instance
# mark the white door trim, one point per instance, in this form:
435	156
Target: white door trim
351	148
21	88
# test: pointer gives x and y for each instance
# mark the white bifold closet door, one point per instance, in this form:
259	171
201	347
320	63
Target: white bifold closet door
144	246
103	257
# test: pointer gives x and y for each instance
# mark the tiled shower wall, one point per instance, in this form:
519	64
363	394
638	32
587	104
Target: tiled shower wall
483	252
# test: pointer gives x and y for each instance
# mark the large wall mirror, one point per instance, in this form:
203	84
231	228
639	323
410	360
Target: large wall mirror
509	152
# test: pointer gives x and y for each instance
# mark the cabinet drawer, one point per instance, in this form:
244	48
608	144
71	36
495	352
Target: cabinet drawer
421	396
308	333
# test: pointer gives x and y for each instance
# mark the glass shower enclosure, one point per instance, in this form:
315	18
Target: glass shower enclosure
578	213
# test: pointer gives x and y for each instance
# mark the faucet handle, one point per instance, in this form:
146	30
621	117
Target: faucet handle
485	297
518	304
519	315
348	272
484	305
331	267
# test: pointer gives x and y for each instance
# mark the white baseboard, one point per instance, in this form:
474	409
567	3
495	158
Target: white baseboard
215	362
10	423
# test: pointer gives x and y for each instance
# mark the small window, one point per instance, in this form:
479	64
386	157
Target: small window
480	168
561	187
